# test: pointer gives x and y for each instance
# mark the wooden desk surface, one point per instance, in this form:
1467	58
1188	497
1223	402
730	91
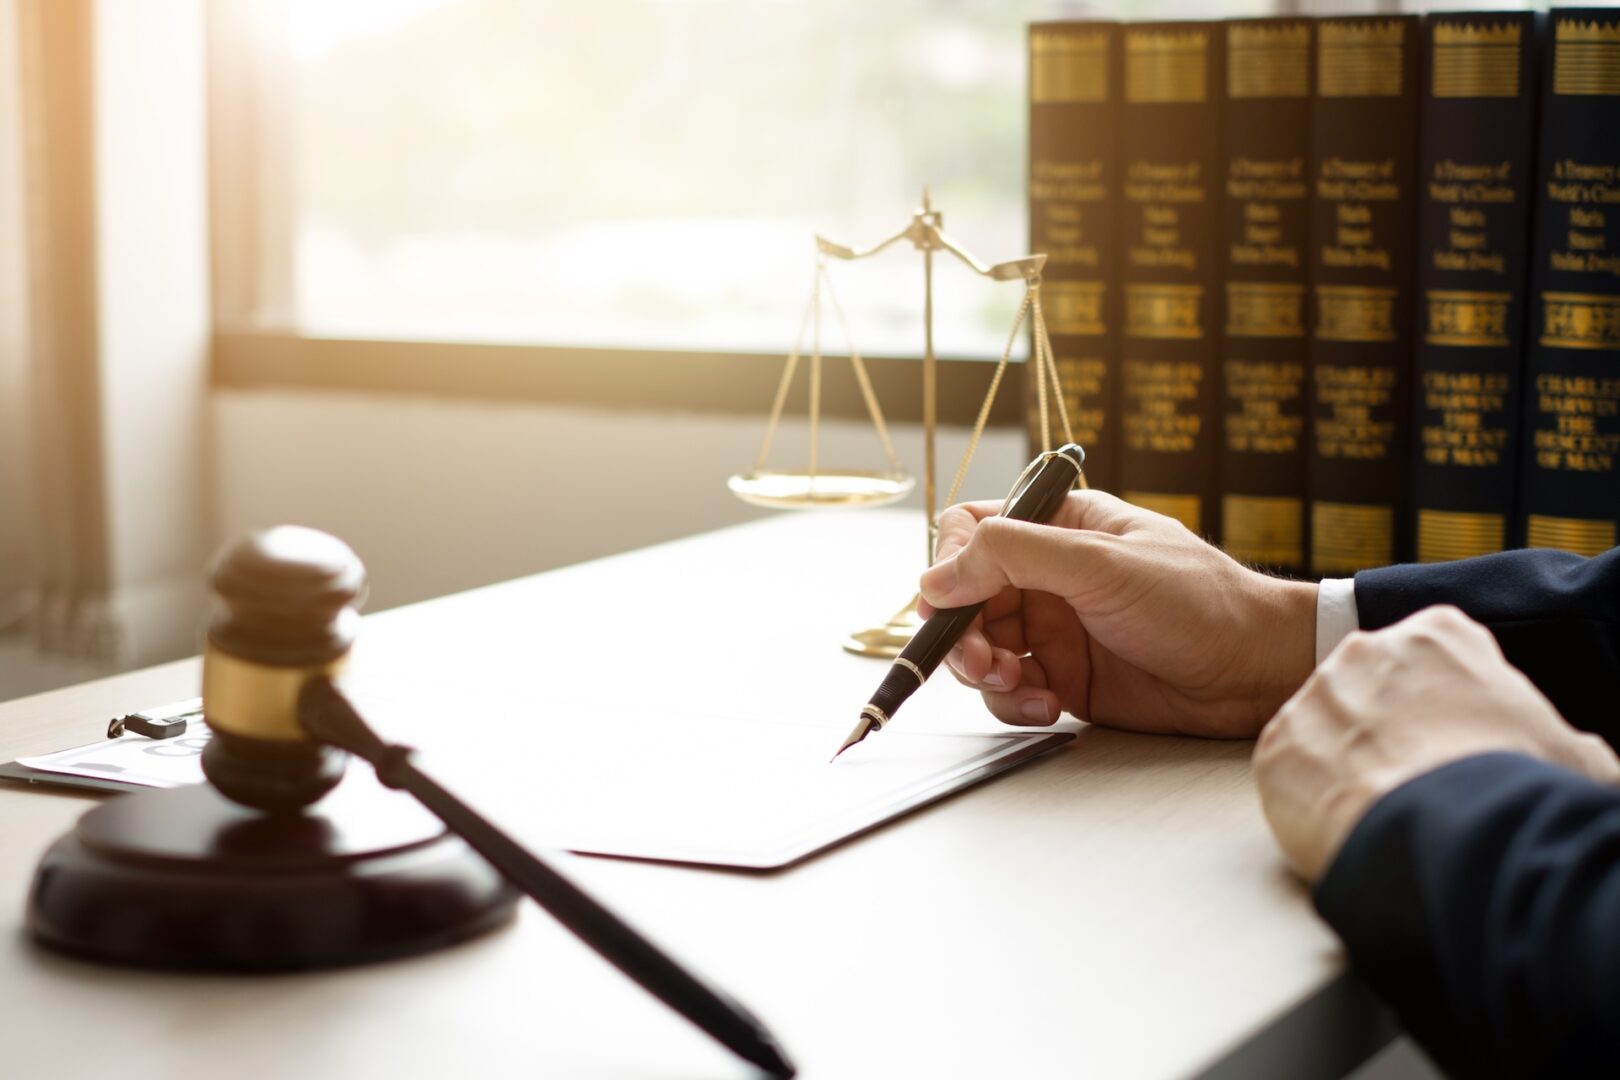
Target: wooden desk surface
1114	909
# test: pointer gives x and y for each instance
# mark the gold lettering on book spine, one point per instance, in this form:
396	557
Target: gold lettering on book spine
1346	537
1580	321
1068	67
1164	311
1354	313
1360	59
1444	535
1474	319
1586	58
1166	66
1264	529
1074	307
1265	309
1269	60
1580	535
1473	60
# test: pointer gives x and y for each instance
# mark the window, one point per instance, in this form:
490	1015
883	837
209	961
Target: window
637	173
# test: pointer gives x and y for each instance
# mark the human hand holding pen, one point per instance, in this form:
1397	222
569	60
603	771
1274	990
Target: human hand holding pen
1120	616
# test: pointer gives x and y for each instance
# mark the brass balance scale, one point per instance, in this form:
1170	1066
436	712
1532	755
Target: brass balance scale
816	487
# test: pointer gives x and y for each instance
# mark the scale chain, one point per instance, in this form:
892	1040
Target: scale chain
1031	298
1049	370
786	382
872	407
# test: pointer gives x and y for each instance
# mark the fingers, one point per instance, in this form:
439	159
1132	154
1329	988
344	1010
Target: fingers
1014	688
980	552
1002	552
976	663
1030	704
1096	511
956	526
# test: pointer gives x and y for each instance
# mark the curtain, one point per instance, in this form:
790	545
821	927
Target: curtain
16	563
53	558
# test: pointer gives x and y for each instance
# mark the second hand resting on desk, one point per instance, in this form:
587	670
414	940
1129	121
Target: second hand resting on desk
1036	496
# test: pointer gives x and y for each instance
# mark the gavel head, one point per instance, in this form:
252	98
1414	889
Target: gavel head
287	614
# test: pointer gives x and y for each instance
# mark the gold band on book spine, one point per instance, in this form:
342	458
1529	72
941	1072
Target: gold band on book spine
1184	508
1164	311
1355	313
1264	529
1444	535
1473	60
1360	59
1580	535
1586	58
1471	319
1068	67
1269	60
1346	537
1166	66
1074	307
1580	320
1265	309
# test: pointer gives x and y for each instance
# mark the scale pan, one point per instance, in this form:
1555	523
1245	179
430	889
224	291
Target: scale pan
842	490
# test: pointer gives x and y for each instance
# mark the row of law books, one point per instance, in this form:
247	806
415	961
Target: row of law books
1339	292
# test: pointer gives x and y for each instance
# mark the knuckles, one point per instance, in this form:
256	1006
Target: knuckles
1358	647
1442	624
994	532
1275	732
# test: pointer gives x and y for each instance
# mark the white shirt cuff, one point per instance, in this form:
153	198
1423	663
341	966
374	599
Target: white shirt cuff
1336	614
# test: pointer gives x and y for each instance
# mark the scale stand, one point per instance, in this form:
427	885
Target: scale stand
814	489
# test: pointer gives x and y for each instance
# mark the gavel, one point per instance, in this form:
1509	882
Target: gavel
181	863
287	618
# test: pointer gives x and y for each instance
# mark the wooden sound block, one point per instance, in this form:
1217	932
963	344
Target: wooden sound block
186	879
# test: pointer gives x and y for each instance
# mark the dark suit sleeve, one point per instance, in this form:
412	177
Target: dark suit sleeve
1482	901
1556	616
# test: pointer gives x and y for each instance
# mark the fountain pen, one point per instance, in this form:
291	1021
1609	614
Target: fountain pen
1045	483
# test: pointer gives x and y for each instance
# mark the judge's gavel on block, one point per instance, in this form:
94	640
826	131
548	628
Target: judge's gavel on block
197	876
288	618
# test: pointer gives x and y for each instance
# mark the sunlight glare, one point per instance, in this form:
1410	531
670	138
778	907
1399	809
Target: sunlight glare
316	27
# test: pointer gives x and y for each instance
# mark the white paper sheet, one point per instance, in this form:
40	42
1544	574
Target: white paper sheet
683	788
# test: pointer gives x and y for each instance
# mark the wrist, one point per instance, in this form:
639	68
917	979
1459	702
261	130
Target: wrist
1287	637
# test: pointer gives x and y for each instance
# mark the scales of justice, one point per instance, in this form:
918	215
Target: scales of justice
816	487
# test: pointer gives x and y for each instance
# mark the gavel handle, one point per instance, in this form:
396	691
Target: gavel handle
329	717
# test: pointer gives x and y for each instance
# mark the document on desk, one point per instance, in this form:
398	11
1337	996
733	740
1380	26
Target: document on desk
724	792
129	761
704	789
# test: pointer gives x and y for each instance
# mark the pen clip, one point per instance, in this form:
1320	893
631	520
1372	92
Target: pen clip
166	722
1025	478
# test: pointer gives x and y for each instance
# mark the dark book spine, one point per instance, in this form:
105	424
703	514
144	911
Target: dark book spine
1364	127
1073	195
1571	488
1474	198
1265	249
1169	212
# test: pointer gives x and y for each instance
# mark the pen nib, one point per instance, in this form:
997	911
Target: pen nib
862	730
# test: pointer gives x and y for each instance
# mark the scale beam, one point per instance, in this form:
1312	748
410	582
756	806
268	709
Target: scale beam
927	236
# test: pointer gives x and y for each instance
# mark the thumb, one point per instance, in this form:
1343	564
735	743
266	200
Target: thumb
1003	552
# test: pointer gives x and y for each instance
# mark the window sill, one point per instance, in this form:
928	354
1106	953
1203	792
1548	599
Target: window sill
725	383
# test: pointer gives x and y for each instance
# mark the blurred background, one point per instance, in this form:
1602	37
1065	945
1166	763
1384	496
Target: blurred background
420	272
